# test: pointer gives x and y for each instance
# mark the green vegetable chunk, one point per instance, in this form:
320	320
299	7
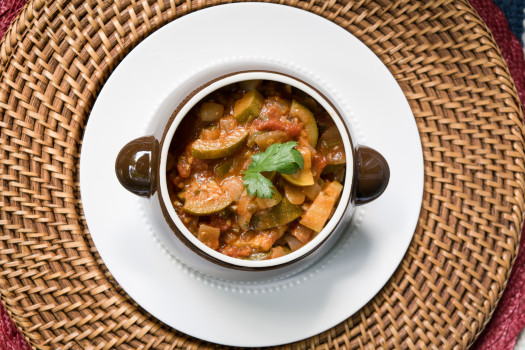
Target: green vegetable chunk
204	205
281	157
248	107
279	215
307	118
221	147
224	167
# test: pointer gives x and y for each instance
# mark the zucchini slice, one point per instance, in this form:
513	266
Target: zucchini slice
206	199
307	118
278	215
221	147
203	205
248	107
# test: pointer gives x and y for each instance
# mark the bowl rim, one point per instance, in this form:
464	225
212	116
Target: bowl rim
192	242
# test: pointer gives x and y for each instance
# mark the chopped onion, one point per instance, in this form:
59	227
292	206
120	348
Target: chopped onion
245	209
265	203
312	191
330	145
209	235
302	233
292	241
233	186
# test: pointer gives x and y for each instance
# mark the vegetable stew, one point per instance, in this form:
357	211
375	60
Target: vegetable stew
256	170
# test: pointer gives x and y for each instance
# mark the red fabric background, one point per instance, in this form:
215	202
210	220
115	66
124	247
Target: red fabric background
8	11
509	318
10	337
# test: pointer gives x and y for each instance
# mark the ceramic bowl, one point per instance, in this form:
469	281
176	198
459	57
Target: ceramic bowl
141	169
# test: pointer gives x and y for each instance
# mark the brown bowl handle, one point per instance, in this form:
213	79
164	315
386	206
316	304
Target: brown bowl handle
373	174
136	166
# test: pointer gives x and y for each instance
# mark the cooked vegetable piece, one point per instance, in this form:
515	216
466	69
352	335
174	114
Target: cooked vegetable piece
302	233
209	235
248	107
224	167
257	241
334	172
318	164
265	239
250	141
277	252
278	215
199	206
210	133
245	208
206	201
339	174
181	196
274	107
267	138
184	168
331	146
221	147
307	118
294	194
210	111
301	178
235	252
293	242
304	176
228	124
321	209
312	191
233	187
265	203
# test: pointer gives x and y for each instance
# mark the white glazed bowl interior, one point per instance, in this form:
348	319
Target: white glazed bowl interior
345	196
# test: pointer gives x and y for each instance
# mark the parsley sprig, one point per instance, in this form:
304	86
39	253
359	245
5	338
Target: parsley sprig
281	157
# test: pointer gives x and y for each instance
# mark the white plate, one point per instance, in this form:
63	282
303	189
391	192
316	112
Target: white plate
260	314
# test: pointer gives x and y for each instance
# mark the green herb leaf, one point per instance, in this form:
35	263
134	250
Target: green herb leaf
256	183
281	157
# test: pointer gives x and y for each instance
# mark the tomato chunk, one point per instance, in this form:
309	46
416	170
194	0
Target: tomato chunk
272	124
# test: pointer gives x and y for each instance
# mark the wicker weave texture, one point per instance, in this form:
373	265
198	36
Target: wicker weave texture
56	58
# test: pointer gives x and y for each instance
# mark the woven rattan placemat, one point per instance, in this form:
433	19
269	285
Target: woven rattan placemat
56	58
